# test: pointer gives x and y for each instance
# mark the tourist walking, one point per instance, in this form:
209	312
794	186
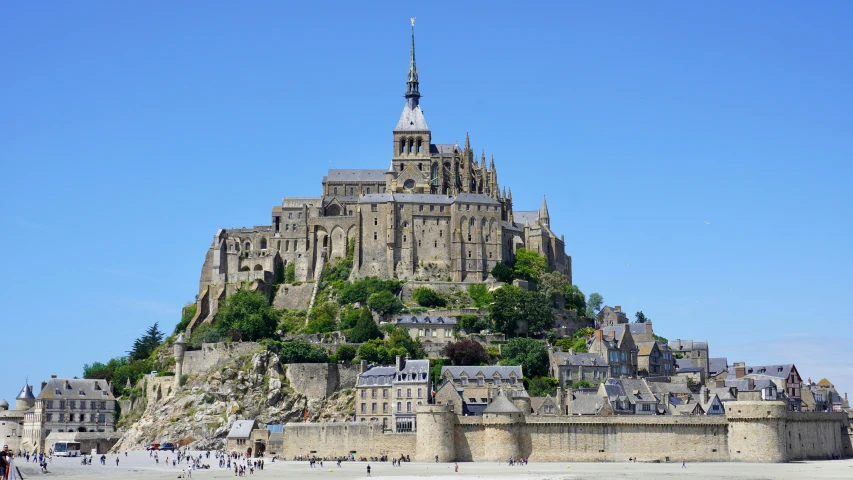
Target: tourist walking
368	470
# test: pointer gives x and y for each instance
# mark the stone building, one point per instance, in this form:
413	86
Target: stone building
436	212
390	395
12	420
429	328
609	316
569	368
68	405
695	354
786	378
617	348
472	388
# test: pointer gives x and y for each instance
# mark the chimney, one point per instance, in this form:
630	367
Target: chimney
721	384
707	393
750	384
599	335
400	362
740	369
362	367
43	384
617	308
53	376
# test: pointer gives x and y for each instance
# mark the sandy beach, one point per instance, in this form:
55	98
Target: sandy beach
140	465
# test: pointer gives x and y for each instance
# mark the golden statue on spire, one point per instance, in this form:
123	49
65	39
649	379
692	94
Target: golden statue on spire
413	22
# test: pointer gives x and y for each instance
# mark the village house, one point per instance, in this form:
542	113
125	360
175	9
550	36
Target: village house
570	368
436	329
786	378
390	395
618	349
629	396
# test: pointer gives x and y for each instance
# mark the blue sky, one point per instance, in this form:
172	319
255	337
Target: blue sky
696	157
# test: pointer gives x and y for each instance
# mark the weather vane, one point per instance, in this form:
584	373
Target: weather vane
413	22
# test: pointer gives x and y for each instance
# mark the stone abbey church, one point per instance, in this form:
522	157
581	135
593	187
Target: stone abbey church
436	213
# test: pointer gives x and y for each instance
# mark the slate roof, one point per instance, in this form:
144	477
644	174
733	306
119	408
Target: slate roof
71	388
584	359
717	365
691	369
411	120
446	148
775	371
525	218
536	402
636	390
488	371
298	202
659	388
586	404
687	345
241	429
476	198
26	393
415	366
4	405
355	175
742	384
340	198
426	320
501	404
377	376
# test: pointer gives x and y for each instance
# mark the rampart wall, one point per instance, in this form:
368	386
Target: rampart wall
212	354
341	439
748	436
319	380
99	442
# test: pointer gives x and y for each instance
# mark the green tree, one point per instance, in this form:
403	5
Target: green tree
187	314
529	265
384	303
465	352
365	329
576	342
641	317
662	340
581	384
299	351
542	386
346	353
249	313
594	303
536	309
553	286
502	272
529	353
145	345
427	297
323	318
505	310
360	290
349	317
479	293
575	300
472	323
400	341
290	273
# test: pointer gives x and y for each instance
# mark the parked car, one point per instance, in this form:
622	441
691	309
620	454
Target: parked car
153	446
168	446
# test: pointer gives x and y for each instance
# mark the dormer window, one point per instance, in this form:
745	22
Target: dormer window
82	392
67	386
57	391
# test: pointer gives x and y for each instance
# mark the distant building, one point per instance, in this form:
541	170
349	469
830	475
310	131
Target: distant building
477	387
694	354
609	316
240	439
390	395
786	378
569	368
429	328
617	348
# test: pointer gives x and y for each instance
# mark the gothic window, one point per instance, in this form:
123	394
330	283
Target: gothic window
402	145
420	145
336	190
287	245
263	244
248	246
368	190
350	190
295	245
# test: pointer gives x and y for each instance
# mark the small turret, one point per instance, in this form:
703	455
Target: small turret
4	405
544	217
25	400
180	348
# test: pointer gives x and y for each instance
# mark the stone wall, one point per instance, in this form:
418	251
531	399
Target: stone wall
293	296
212	354
99	442
444	288
749	434
331	440
319	380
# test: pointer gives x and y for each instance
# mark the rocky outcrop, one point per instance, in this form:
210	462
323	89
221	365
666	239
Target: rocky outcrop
201	412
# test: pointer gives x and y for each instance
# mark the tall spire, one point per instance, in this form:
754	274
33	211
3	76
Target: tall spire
412	93
467	142
544	217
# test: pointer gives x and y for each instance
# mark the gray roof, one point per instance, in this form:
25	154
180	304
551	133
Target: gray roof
687	345
427	198
411	120
775	371
501	404
425	319
586	404
660	388
488	371
634	390
446	148
691	369
355	176
585	359
241	429
298	202
26	393
377	376
717	365
4	404
742	384
340	198
525	218
416	366
76	388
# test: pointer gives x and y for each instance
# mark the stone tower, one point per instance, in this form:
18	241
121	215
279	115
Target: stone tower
25	400
435	433
180	347
756	431
501	419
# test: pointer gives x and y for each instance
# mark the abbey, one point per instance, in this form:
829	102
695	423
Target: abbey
437	212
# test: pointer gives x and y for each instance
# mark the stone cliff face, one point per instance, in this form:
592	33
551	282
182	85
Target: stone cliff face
201	412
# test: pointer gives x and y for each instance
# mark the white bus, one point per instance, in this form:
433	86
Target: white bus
66	449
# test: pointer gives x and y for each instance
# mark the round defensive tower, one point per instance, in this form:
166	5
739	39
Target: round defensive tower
25	400
436	433
756	431
501	419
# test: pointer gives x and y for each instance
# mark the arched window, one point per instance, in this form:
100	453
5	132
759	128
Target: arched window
420	145
402	145
287	245
248	246
263	244
411	143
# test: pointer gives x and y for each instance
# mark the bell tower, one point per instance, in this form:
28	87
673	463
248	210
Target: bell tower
411	159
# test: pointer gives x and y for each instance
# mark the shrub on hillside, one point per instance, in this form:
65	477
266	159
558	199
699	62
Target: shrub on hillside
427	297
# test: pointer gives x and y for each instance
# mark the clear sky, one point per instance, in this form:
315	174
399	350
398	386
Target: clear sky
697	158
